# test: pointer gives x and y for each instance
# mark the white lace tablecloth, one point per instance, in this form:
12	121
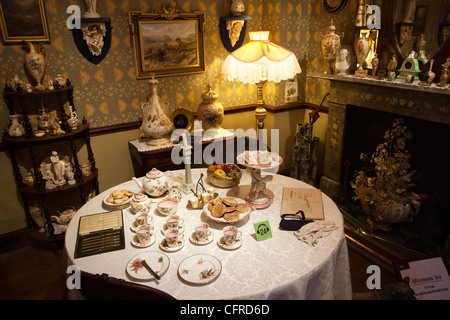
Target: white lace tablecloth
282	267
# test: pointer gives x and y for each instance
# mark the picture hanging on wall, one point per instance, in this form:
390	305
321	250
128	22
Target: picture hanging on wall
167	42
23	21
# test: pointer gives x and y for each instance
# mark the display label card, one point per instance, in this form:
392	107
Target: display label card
429	278
263	230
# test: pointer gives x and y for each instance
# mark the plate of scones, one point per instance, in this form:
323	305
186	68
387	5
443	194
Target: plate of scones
227	209
118	198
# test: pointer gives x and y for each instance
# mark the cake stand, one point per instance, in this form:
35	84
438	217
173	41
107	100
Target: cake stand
257	194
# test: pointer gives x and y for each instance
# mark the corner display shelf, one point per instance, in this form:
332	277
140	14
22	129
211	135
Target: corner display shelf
25	103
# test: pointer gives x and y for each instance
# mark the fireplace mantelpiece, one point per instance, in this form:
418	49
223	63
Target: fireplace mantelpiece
410	100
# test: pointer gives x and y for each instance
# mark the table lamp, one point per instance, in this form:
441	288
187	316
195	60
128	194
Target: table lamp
260	61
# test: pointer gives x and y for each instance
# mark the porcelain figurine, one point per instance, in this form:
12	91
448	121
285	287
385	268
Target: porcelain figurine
342	62
59	81
445	73
35	64
329	43
362	48
210	112
237	7
375	64
94	35
156	124
155	183
392	68
68	172
16	129
15	83
57	166
91	9
140	203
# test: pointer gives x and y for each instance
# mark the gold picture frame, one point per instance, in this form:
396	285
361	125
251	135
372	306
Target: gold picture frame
167	42
23	21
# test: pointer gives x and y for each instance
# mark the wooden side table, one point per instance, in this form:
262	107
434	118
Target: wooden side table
144	160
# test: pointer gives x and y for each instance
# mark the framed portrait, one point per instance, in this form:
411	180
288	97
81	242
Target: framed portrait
23	20
334	5
167	42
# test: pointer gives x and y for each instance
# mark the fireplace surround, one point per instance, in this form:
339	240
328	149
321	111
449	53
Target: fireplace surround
367	102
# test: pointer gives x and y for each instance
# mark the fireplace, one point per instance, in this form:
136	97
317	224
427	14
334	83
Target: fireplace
360	112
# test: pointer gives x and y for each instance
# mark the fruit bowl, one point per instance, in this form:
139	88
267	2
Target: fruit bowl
224	175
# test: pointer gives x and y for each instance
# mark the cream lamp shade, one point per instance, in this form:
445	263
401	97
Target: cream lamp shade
260	61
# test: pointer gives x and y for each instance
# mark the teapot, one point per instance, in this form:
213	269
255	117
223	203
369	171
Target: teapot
65	216
155	183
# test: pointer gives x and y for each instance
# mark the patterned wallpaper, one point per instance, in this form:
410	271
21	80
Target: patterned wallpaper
108	93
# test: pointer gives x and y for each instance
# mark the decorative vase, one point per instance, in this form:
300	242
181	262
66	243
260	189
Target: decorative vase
16	129
362	48
35	64
430	75
156	124
383	216
210	112
44	120
329	44
29	179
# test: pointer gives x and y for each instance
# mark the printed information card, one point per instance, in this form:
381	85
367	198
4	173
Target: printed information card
429	278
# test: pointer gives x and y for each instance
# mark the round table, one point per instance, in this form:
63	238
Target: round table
281	267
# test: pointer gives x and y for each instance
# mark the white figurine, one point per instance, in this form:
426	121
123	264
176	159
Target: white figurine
57	166
69	173
49	178
342	63
91	9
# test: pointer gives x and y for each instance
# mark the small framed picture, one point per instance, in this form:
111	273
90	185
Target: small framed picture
167	42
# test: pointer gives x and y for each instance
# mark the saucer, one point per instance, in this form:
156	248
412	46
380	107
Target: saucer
165	227
164	247
135	242
194	240
221	243
134	227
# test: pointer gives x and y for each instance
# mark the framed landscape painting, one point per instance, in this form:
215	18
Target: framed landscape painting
167	42
23	20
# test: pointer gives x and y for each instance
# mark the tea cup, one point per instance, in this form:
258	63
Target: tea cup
142	219
144	234
172	236
202	231
174	222
168	206
231	235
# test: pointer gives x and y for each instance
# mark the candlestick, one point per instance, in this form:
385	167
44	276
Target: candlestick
187	185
